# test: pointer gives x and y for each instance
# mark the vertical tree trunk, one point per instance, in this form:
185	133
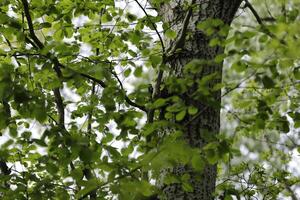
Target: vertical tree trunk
196	47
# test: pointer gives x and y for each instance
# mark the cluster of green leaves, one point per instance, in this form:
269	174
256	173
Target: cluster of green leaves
49	160
262	67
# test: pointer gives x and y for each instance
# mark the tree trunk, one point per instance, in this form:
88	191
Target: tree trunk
196	47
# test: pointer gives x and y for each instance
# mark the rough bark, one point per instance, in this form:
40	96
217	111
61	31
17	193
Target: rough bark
196	47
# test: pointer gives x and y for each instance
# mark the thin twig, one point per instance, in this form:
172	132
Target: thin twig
181	37
57	95
129	101
5	170
179	43
90	114
60	108
154	26
41	46
289	189
52	119
260	21
256	15
117	178
226	93
30	25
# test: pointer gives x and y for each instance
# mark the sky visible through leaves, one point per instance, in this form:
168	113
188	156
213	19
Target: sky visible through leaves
257	150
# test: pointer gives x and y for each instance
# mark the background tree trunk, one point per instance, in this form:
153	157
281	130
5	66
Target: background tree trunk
196	47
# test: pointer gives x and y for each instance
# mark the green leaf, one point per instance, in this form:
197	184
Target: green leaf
113	151
61	194
13	130
220	58
4	18
297	124
146	188
155	60
138	72
45	25
169	179
127	72
77	174
40	142
187	187
283	124
192	110
159	103
106	18
107	138
268	82
214	42
90	185
180	115
297	73
58	35
228	197
131	17
198	162
51	168
85	154
170	34
212	156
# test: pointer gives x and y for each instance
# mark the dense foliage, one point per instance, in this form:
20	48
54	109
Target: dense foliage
76	89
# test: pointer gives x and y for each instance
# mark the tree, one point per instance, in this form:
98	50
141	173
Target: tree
72	129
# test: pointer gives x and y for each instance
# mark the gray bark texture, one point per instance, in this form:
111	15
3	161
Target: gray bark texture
196	47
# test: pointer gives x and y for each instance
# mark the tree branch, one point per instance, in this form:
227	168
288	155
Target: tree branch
57	94
41	46
100	82
226	93
252	9
52	119
5	170
179	43
60	108
129	101
90	114
30	25
154	26
260	21
3	166
289	189
117	178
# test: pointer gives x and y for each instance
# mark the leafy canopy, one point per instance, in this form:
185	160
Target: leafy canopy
74	92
